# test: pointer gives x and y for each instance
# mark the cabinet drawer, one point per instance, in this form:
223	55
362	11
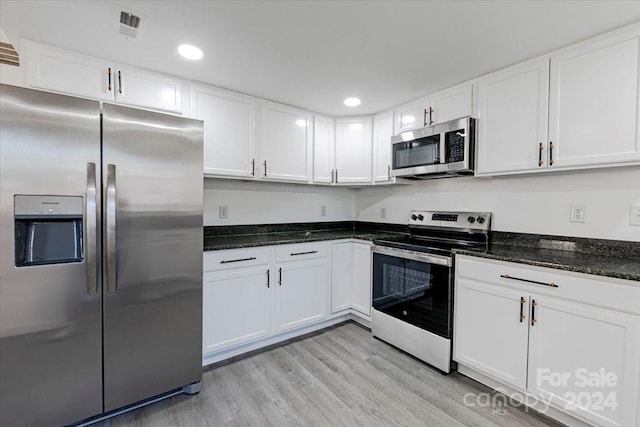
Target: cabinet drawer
301	251
236	258
588	289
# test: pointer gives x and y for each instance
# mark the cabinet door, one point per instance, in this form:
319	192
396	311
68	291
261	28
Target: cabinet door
301	293
237	307
285	143
61	71
361	282
585	360
512	118
353	150
229	131
489	334
594	112
341	276
451	104
411	116
146	89
323	146
382	132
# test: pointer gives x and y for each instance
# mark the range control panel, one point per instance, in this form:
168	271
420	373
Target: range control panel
460	220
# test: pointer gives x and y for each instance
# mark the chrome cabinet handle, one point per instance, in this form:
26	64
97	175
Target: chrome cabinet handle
551	284
253	167
268	279
91	224
426	123
551	153
332	170
227	261
112	262
265	168
522	302
303	253
280	277
540	148
120	82
109	79
389	172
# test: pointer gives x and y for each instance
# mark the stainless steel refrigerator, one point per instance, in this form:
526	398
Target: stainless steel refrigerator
100	256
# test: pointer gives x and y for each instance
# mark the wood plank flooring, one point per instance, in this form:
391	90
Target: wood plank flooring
339	377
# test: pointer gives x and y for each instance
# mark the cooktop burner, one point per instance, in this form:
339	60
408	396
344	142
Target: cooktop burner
440	232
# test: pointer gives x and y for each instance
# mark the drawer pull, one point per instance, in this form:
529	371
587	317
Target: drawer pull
304	253
551	284
522	302
226	261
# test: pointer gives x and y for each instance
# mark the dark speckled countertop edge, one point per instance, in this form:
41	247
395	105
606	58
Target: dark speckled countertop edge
606	266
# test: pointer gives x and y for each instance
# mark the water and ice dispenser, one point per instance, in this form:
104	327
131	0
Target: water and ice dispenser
48	229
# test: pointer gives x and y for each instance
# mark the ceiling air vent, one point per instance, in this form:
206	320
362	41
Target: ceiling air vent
8	54
129	25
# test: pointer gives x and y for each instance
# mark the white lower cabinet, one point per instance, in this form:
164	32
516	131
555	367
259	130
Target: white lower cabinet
567	341
351	277
301	293
238	307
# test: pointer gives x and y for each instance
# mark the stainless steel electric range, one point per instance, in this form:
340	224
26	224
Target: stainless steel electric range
413	282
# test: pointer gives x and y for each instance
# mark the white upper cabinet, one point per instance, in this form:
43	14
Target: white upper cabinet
382	132
353	150
323	149
512	118
58	70
574	109
229	131
285	143
449	104
594	94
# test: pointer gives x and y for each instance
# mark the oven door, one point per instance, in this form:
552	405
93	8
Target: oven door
414	287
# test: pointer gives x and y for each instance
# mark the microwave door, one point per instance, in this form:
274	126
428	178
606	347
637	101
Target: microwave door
417	153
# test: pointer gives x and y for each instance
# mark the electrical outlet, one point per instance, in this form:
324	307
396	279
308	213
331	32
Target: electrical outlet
323	210
634	215
383	213
223	211
578	213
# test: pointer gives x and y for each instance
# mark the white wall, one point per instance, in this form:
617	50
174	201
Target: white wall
270	203
539	204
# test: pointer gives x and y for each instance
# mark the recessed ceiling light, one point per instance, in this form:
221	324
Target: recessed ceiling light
352	102
189	51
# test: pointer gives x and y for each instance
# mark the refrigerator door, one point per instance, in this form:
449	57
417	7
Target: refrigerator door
153	236
50	297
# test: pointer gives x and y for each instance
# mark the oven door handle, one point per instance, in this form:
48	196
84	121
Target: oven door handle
414	256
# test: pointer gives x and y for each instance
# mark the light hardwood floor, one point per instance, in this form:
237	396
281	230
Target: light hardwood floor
339	377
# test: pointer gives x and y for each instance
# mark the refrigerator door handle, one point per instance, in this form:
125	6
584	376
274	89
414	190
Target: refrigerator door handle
111	229
91	219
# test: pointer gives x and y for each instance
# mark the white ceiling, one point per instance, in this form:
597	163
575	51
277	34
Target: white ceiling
313	54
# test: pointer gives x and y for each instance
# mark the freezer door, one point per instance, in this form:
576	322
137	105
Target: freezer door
50	298
153	242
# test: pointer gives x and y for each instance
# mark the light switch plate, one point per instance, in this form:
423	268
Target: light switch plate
634	215
223	211
383	213
323	210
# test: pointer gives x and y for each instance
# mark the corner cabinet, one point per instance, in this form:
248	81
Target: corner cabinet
351	278
577	108
229	131
566	340
285	143
71	73
353	150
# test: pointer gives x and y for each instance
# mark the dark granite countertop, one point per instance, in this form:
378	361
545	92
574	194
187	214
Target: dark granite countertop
247	236
608	265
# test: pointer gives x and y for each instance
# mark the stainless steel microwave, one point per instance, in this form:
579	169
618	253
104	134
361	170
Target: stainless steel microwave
445	149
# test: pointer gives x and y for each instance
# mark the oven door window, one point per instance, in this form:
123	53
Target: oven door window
415	292
419	152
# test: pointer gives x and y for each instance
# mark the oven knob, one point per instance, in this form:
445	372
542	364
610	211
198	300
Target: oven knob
420	217
414	217
471	220
480	220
